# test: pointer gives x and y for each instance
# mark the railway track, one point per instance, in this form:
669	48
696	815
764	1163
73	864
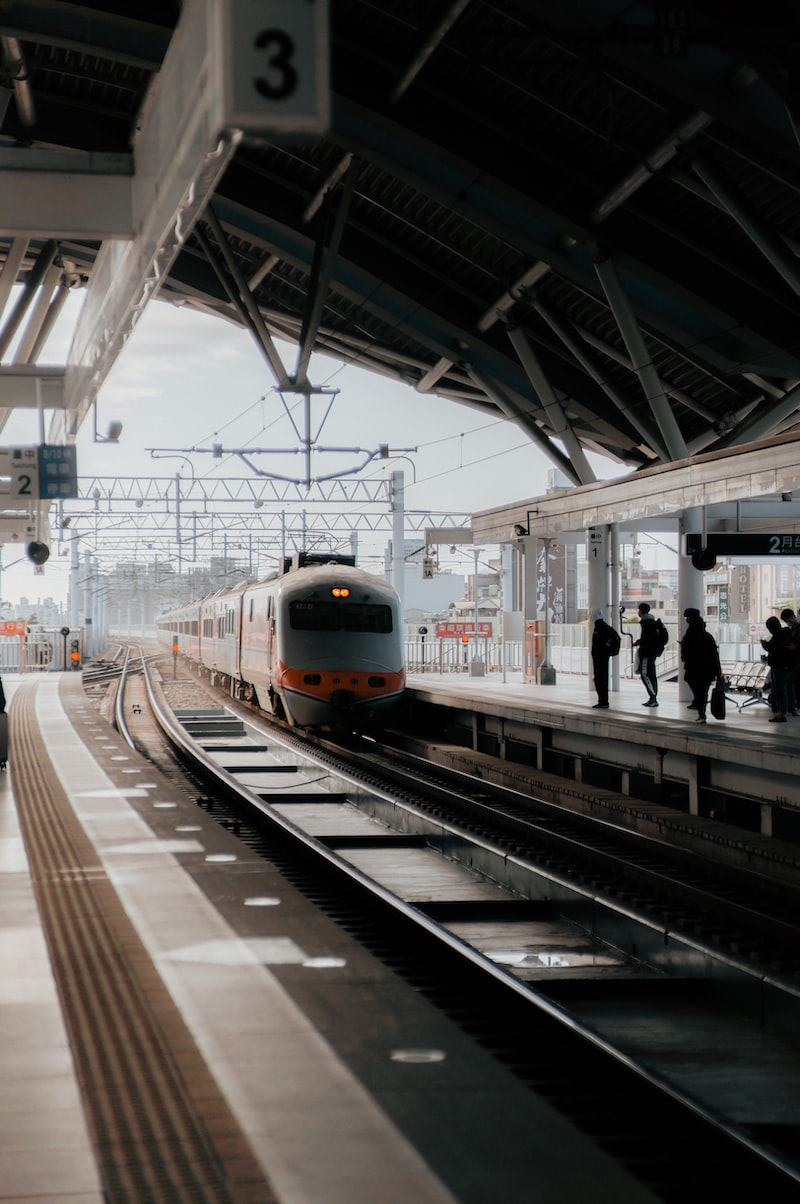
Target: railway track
598	1002
746	913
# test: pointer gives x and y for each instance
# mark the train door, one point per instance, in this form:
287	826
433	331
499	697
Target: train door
270	631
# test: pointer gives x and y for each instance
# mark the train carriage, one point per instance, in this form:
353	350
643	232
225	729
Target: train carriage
180	628
220	633
320	645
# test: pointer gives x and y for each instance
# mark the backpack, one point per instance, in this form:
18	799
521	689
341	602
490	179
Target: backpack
661	637
613	642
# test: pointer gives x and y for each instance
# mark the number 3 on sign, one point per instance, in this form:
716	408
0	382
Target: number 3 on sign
281	79
276	65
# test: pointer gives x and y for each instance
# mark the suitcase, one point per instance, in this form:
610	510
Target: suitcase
718	701
3	739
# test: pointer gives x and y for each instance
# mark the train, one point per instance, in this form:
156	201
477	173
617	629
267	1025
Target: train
319	644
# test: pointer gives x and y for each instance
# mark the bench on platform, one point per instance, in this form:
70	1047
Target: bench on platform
746	677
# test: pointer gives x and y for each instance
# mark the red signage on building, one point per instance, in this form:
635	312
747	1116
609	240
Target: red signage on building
463	629
12	627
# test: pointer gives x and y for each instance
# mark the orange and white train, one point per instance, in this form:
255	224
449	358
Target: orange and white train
320	645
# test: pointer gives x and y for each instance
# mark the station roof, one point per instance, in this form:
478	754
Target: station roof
582	216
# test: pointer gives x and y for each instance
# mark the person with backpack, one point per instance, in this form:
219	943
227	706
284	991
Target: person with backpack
605	644
651	643
700	657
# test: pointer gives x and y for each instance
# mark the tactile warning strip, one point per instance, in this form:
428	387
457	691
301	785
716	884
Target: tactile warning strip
162	1130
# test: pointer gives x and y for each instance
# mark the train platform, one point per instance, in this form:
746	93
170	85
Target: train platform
647	765
211	996
575	694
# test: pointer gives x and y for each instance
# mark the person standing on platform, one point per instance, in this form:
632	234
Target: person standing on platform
3	728
605	644
793	671
700	657
649	649
779	649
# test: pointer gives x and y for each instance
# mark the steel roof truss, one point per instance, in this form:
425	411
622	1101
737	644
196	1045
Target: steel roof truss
552	406
575	346
766	420
35	278
233	281
525	421
641	358
745	214
319	282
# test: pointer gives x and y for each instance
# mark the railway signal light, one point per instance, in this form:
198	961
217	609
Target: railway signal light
75	654
38	552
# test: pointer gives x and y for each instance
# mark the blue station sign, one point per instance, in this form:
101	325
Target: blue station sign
58	471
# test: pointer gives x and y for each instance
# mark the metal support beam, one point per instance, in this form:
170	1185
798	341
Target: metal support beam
641	359
54	308
434	38
240	293
509	299
552	406
23	303
40	309
320	279
576	346
327	186
652	163
765	422
525	422
745	214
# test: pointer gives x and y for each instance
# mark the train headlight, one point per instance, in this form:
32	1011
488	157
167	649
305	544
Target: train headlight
311	679
376	681
340	591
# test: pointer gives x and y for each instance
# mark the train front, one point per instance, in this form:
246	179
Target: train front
340	648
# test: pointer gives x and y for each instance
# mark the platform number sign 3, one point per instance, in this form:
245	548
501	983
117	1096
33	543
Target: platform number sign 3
277	66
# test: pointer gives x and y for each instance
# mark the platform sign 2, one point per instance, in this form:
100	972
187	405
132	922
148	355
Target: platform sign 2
23	467
58	471
745	543
276	66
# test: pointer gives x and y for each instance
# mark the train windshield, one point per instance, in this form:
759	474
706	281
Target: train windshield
363	616
334	616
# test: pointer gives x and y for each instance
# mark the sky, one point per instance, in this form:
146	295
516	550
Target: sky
188	380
